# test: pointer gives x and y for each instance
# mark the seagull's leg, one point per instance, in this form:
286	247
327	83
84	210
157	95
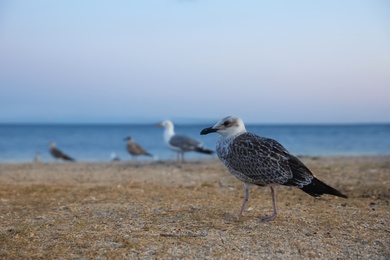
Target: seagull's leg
270	218
245	200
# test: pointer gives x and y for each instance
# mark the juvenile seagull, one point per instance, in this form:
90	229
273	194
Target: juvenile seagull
262	161
181	143
135	149
58	154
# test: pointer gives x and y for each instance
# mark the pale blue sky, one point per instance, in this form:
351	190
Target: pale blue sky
125	61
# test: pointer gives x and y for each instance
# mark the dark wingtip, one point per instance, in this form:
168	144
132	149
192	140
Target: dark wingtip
342	195
317	188
204	150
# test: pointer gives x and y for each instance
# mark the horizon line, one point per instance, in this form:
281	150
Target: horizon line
186	122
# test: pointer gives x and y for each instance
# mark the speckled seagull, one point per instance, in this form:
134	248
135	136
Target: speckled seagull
262	161
135	149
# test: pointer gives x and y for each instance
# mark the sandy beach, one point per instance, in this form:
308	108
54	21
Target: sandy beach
166	210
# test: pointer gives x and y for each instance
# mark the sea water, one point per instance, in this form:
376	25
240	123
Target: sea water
97	143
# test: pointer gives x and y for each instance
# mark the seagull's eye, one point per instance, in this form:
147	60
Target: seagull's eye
226	123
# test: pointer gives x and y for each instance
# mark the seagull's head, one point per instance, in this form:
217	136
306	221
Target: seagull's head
228	126
129	138
52	144
166	123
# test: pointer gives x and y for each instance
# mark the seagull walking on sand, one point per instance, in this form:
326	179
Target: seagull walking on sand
58	154
263	162
135	149
180	143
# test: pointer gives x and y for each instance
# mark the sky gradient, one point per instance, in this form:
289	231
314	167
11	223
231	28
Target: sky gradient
145	61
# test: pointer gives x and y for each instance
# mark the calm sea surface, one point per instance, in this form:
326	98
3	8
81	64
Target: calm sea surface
96	143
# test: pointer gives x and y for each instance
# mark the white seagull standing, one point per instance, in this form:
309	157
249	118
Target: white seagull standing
262	161
181	143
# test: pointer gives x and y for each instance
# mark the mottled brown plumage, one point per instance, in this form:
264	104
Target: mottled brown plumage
263	161
135	149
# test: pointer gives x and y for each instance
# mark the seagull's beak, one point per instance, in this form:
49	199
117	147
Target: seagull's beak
159	124
208	131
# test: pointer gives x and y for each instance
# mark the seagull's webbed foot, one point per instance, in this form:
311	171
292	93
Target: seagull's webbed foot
269	218
237	217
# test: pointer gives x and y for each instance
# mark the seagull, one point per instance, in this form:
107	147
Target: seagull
135	149
181	143
58	154
37	157
262	161
114	157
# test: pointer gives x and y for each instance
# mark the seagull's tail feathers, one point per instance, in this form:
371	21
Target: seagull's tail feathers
203	150
316	188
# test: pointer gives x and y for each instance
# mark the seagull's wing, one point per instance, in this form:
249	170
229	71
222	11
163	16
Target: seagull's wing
140	150
57	153
183	142
263	160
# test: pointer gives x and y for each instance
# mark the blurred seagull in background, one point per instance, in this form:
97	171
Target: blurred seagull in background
37	157
58	154
262	161
135	149
181	143
114	157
